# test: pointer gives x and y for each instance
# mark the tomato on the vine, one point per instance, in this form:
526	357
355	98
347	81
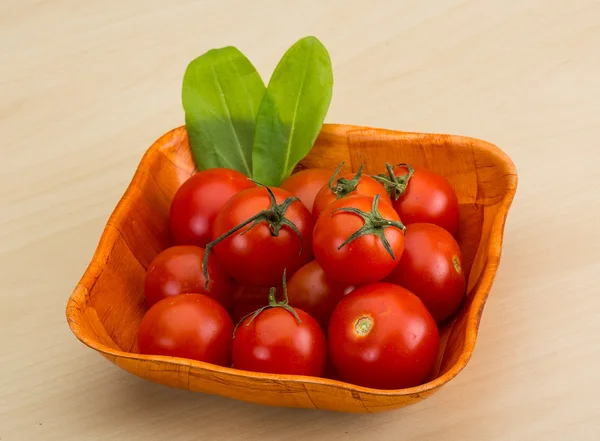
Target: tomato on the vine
179	270
382	336
348	185
305	184
431	267
358	240
421	196
192	326
313	292
280	339
198	200
259	233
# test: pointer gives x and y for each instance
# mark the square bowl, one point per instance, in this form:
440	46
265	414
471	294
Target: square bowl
106	307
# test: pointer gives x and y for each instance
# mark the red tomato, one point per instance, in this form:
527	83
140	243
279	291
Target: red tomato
431	267
306	184
427	198
276	342
192	326
312	291
245	299
364	259
179	270
259	251
348	185
198	200
382	336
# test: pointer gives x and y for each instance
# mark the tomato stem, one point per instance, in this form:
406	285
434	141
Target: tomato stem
343	187
374	224
273	303
275	218
395	185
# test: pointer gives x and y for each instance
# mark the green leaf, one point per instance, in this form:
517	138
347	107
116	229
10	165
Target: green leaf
292	111
221	95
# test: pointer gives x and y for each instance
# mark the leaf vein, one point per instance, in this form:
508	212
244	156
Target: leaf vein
229	119
293	128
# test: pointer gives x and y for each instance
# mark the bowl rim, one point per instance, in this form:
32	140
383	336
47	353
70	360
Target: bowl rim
110	235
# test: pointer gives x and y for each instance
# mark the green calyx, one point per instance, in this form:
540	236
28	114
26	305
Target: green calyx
275	218
395	185
343	186
273	303
374	224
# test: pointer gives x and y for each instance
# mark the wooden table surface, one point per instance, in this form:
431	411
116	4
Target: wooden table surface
87	86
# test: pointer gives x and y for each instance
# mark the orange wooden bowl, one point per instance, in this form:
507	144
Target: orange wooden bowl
107	305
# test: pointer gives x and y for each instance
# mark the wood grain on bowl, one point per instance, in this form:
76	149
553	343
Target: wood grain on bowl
107	305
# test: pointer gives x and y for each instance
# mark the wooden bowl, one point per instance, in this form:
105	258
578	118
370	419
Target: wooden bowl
107	305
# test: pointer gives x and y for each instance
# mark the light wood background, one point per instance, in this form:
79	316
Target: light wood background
87	86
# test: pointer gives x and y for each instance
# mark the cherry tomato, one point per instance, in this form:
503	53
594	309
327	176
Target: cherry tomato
382	336
313	292
305	184
179	270
274	341
348	185
245	299
198	200
365	258
192	326
427	198
431	267
258	251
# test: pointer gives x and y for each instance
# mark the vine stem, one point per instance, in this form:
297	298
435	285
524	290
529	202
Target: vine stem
344	186
395	185
374	223
273	303
274	216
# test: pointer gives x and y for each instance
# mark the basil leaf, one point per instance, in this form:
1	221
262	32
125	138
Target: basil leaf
221	95
292	111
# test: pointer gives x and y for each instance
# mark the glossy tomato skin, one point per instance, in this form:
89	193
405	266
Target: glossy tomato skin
197	202
310	290
382	336
256	257
305	184
431	267
366	186
178	270
364	260
274	342
192	326
429	198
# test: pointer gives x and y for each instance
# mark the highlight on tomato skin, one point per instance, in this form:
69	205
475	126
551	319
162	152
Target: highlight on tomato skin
382	336
422	196
277	342
279	238
312	291
197	202
364	259
305	184
432	268
193	326
179	270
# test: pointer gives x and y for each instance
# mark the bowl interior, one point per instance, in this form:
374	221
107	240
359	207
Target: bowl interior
483	177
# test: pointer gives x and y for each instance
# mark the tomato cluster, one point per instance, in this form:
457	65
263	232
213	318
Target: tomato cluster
366	268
